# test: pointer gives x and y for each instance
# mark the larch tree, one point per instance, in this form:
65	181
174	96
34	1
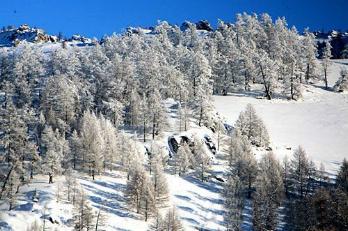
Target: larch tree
140	192
160	184
299	169
172	221
251	126
83	213
234	203
242	162
342	83
56	150
326	62
201	159
310	50
182	159
268	195
92	143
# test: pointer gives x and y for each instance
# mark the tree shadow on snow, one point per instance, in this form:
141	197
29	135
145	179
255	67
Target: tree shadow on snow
110	202
212	187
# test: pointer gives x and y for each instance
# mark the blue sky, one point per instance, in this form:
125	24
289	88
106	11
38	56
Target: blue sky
95	18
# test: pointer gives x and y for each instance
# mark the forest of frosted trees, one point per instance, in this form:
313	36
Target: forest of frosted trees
66	108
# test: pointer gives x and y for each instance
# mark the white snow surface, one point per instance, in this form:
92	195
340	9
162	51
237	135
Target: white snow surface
318	122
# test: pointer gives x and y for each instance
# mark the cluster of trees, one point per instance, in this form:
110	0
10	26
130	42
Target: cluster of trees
147	191
311	200
170	222
193	156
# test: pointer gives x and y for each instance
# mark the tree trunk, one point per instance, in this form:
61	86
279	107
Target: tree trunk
325	78
153	126
267	88
97	222
144	130
50	178
146	210
6	181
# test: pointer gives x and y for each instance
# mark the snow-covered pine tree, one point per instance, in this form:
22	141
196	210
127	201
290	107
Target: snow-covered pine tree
172	221
251	126
75	149
182	159
157	224
310	51
234	203
56	149
110	153
299	169
83	213
268	195
157	113
268	69
92	143
342	176
201	160
242	161
326	63
184	116
59	100
27	69
160	184
342	83
140	192
20	154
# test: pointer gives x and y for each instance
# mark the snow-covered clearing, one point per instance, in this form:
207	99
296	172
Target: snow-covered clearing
319	122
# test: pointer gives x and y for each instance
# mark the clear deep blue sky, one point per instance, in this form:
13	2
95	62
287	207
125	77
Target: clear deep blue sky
95	18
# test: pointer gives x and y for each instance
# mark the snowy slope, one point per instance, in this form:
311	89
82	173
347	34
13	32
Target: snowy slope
199	204
319	122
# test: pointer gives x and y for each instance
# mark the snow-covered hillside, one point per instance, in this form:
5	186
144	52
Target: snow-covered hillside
318	122
199	204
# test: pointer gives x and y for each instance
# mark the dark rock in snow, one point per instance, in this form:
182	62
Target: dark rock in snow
204	25
173	145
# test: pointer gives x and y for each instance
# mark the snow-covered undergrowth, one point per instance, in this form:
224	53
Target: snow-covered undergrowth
318	122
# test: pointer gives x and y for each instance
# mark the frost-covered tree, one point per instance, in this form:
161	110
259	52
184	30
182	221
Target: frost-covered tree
110	147
184	116
251	126
242	162
326	63
172	221
27	69
234	203
83	213
140	192
160	185
299	170
18	151
75	149
201	160
56	150
342	83
342	177
59	102
92	143
268	195
182	159
310	50
157	113
157	224
268	69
